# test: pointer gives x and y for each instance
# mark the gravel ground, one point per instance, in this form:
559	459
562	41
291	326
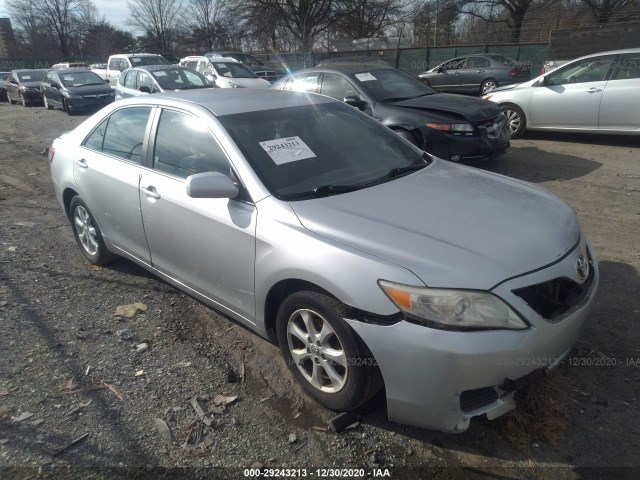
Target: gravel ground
86	394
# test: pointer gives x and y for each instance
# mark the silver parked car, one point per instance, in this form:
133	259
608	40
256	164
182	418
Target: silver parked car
596	94
367	260
158	78
476	73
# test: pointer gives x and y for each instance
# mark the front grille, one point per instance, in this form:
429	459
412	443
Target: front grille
556	297
473	399
269	76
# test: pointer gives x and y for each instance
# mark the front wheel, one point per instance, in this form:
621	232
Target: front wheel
23	101
515	118
87	233
46	103
407	136
325	356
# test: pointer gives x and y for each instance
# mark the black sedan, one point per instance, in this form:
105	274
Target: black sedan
75	89
453	127
24	86
476	73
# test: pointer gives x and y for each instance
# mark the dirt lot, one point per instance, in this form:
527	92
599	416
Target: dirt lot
70	371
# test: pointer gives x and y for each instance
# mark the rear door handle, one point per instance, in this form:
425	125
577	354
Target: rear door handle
594	90
150	192
82	163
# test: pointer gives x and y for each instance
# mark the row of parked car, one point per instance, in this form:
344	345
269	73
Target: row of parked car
589	94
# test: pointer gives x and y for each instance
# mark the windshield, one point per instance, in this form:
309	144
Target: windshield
32	76
179	79
233	70
80	79
313	150
149	60
389	84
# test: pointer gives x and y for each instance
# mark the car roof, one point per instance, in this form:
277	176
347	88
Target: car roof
153	68
356	67
62	71
20	70
228	101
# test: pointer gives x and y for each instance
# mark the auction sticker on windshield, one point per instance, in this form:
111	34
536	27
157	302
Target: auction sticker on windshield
285	150
365	77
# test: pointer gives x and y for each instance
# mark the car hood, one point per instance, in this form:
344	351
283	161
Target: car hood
452	226
31	84
470	108
102	89
250	82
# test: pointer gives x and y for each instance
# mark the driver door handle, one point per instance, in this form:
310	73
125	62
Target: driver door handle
150	192
594	90
82	163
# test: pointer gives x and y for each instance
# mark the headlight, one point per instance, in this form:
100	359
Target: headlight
464	309
72	96
451	127
235	85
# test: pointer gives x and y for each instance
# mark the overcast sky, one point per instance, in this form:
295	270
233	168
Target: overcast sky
115	11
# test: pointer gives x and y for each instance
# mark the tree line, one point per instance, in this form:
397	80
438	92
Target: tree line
71	28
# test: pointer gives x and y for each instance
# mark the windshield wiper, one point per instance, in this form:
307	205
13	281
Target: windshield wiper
323	191
395	173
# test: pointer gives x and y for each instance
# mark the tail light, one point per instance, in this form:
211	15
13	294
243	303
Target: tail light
52	152
542	71
515	72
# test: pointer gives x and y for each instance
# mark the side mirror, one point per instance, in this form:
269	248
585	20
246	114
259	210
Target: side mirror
145	89
354	101
442	70
107	81
211	185
55	85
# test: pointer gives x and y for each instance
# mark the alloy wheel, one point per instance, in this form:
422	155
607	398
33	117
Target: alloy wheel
514	120
317	351
86	231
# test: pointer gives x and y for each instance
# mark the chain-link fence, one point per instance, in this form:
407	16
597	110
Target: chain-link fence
416	60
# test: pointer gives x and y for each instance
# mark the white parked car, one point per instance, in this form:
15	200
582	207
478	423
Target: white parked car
225	72
595	94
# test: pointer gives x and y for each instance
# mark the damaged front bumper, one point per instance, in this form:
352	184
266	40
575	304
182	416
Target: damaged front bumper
440	379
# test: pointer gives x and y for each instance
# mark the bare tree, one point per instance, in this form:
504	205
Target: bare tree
305	19
204	22
512	12
603	10
27	26
60	18
368	18
158	19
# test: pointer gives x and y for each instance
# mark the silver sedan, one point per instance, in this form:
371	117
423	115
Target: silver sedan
596	94
370	262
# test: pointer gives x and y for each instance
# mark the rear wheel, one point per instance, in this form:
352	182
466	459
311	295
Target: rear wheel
515	118
87	233
488	85
324	354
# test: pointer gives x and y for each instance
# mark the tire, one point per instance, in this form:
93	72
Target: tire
515	118
46	103
407	136
23	101
310	326
488	85
66	108
87	233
